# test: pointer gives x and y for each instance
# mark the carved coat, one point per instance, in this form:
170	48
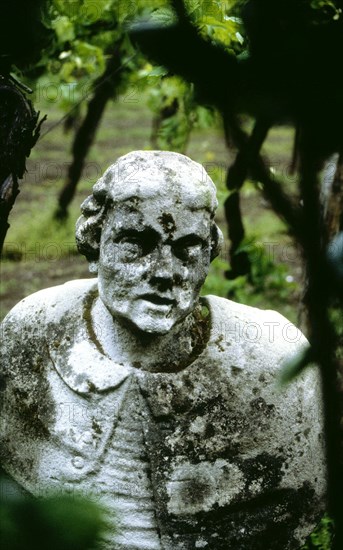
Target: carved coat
215	456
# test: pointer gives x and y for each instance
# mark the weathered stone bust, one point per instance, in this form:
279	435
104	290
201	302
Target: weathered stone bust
163	406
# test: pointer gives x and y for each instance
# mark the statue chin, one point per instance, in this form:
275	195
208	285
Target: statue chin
149	318
146	325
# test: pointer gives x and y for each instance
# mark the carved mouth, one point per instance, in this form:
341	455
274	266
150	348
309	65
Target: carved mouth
157	299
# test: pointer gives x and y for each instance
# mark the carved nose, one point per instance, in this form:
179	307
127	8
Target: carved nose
164	263
163	267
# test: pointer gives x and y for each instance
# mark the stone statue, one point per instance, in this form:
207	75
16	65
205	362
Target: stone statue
162	405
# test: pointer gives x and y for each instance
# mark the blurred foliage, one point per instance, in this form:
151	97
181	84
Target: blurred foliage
55	522
82	35
321	538
267	277
294	365
21	25
176	112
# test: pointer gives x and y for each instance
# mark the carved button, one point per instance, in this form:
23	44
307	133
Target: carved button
78	462
87	438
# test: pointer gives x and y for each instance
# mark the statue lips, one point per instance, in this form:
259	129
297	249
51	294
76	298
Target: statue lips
157	299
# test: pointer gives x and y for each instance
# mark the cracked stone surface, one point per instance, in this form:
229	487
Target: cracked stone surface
161	405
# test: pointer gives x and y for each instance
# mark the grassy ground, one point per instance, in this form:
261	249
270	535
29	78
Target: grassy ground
39	252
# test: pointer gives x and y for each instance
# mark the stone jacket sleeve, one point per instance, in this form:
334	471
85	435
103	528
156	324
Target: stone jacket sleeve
24	395
55	423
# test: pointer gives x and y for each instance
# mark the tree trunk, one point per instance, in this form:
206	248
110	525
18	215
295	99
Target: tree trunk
9	190
19	132
239	261
105	89
334	201
322	336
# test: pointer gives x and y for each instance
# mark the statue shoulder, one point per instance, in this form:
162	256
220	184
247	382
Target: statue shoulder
222	307
263	334
30	321
254	345
50	303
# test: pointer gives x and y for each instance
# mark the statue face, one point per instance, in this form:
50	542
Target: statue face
153	261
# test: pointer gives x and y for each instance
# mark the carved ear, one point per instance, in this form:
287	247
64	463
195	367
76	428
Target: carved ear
93	266
217	241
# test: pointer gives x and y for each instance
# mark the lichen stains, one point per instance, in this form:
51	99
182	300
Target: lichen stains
80	378
96	427
263	523
203	432
264	467
91	387
87	317
219	341
199	332
259	404
195	492
236	370
36	411
38	365
168	223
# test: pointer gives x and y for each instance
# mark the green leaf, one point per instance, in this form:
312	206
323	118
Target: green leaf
158	71
71	523
64	29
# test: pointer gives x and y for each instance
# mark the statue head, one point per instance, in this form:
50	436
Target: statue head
148	231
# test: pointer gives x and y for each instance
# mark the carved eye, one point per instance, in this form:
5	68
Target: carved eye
135	244
131	246
188	248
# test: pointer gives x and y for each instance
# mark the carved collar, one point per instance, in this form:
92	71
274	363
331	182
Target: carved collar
81	363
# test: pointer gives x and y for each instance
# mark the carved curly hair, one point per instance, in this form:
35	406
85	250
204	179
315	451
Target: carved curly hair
114	187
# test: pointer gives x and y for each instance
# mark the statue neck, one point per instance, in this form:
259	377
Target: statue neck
169	352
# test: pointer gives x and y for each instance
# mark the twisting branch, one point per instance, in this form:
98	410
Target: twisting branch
236	175
322	335
334	202
249	148
104	89
180	10
258	169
